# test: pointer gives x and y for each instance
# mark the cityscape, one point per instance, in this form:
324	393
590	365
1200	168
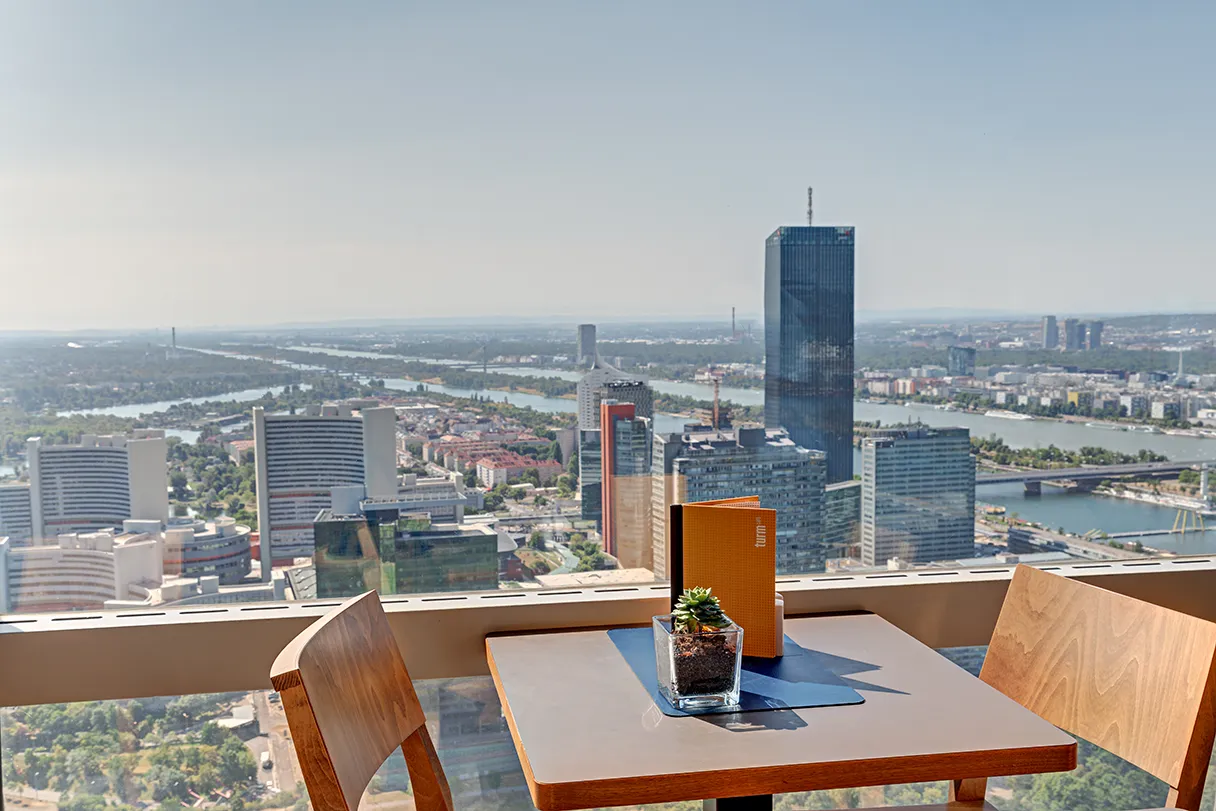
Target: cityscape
460	304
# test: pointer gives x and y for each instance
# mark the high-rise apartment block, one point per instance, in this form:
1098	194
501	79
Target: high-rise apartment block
1051	332
586	343
960	361
97	483
1074	335
606	382
15	514
625	484
917	495
707	465
808	340
1095	335
302	457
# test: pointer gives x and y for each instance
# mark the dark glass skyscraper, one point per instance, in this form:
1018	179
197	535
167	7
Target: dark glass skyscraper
808	340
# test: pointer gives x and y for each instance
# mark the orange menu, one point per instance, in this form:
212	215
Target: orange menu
730	546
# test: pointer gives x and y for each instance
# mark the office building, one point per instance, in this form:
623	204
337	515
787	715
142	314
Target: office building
593	387
842	519
301	457
1095	335
590	476
97	483
625	484
1074	335
79	571
195	548
1051	332
808	337
586	343
16	520
377	546
443	498
917	495
706	465
960	361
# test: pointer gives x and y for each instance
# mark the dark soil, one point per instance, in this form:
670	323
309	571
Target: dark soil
704	663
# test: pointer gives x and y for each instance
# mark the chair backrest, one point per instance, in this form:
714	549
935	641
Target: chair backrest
350	703
1129	676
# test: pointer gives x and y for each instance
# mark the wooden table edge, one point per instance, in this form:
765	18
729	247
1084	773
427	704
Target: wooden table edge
645	790
762	780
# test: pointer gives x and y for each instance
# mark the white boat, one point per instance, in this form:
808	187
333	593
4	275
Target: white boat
1008	415
1145	429
1105	426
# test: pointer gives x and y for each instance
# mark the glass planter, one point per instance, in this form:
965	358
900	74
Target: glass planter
698	671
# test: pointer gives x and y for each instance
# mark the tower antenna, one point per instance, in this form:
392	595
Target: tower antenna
810	207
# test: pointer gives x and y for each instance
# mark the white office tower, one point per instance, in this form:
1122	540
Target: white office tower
302	457
917	495
15	513
98	483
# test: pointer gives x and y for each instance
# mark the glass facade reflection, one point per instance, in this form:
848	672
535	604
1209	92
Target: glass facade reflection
808	335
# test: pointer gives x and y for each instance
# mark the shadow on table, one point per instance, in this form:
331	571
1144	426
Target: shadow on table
770	689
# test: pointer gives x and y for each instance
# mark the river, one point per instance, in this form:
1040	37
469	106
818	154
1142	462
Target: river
1074	512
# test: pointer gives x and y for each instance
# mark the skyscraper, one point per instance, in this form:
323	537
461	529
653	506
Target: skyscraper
808	336
302	457
1074	335
586	343
97	483
706	465
1095	334
590	475
917	495
591	390
1051	332
625	484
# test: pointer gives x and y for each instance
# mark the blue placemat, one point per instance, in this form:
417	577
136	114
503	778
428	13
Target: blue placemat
793	681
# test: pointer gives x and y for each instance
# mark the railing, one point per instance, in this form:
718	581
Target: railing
107	655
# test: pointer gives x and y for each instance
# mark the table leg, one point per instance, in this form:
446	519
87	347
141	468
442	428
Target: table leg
973	788
756	802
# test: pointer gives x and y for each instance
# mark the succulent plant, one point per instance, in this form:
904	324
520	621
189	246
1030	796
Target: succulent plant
698	610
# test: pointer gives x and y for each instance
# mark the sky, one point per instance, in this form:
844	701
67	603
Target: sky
223	162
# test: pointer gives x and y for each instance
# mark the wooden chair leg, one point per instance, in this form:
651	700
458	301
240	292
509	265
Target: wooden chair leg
969	790
430	786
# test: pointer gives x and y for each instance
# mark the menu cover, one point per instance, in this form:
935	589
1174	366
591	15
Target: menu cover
730	546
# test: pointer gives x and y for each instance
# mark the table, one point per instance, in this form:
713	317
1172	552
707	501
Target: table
588	734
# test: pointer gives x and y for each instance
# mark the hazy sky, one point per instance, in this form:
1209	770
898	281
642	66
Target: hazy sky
260	162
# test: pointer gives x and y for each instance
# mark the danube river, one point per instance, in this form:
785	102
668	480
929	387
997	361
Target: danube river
1074	512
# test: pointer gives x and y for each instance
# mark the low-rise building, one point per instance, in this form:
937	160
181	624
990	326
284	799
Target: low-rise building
508	465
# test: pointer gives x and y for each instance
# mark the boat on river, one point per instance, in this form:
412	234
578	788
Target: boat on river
1008	415
1105	426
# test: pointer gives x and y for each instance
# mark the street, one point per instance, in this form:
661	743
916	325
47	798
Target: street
275	738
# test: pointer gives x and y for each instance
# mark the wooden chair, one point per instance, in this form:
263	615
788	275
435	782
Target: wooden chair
1134	678
350	703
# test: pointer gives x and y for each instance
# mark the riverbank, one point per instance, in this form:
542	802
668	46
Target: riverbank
1169	500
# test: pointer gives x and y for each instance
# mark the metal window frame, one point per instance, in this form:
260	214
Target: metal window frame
84	656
